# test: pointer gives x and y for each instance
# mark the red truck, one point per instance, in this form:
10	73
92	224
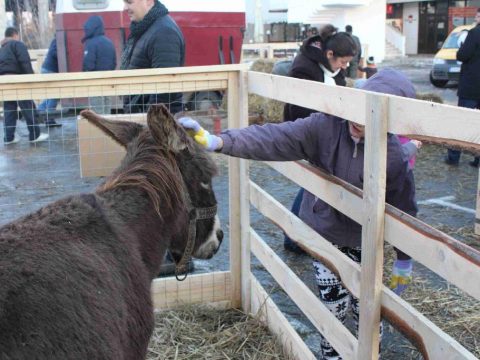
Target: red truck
213	31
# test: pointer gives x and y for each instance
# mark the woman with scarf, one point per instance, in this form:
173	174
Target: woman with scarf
322	58
155	41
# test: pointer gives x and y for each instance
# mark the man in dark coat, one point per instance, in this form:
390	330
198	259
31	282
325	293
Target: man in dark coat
155	41
469	85
15	60
98	55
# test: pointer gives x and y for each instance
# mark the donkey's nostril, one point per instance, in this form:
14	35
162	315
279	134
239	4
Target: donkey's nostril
219	235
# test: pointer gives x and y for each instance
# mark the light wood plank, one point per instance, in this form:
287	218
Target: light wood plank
477	213
245	198
453	260
406	116
195	71
328	325
340	101
195	289
267	312
431	341
375	177
235	195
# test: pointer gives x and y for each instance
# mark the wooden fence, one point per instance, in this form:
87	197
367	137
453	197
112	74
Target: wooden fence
238	287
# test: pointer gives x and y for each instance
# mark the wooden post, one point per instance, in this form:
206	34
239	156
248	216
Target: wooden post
477	214
373	226
239	196
244	200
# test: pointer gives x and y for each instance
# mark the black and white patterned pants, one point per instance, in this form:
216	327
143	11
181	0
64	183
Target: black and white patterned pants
337	298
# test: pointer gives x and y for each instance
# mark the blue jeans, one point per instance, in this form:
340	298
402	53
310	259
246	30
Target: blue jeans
454	155
49	104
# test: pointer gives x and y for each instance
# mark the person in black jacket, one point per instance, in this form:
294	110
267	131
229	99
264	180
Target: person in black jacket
322	58
155	41
15	60
98	55
49	66
469	85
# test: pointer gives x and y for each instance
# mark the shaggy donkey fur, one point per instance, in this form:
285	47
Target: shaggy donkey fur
75	275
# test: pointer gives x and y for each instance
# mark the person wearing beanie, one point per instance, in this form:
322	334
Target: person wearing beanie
155	41
337	146
370	69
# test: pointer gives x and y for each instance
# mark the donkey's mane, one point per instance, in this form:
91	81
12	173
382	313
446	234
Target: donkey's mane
152	169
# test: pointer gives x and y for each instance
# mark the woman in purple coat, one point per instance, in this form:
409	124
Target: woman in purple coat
337	146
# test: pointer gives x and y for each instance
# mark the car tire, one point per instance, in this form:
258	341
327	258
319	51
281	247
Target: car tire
438	83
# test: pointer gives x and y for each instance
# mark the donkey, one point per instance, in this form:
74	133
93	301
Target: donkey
75	276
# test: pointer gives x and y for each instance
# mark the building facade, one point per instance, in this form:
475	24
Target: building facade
426	24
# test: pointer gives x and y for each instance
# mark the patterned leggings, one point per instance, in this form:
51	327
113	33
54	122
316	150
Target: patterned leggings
337	298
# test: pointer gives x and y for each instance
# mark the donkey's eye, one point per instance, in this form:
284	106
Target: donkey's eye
205	185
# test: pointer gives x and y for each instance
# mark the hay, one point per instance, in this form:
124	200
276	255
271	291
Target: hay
453	311
201	332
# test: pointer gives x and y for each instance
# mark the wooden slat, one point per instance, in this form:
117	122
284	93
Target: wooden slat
235	194
195	289
406	116
8	80
375	170
343	196
267	312
328	325
344	102
455	261
245	198
477	212
431	341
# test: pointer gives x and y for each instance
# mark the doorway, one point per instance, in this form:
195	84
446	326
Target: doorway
433	26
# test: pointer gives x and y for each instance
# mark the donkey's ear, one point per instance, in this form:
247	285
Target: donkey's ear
121	131
165	130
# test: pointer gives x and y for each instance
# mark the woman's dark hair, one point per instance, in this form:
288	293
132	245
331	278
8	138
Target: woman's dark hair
341	43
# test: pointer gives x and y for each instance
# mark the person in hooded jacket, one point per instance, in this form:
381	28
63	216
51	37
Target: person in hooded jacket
98	55
155	41
322	58
336	146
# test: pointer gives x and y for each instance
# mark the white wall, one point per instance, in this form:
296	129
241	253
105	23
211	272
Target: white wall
368	24
410	27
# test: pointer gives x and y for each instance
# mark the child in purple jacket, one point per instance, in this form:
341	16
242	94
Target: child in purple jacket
337	146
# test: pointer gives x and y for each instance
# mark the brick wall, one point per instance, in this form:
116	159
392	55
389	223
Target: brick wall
460	12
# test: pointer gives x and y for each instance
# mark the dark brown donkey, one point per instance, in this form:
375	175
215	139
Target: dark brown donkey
75	275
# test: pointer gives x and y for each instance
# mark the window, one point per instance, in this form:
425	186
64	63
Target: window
90	4
473	3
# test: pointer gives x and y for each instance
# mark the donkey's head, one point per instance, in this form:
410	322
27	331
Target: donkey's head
174	172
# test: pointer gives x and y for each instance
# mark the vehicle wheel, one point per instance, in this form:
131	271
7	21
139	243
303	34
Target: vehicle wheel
438	83
206	100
